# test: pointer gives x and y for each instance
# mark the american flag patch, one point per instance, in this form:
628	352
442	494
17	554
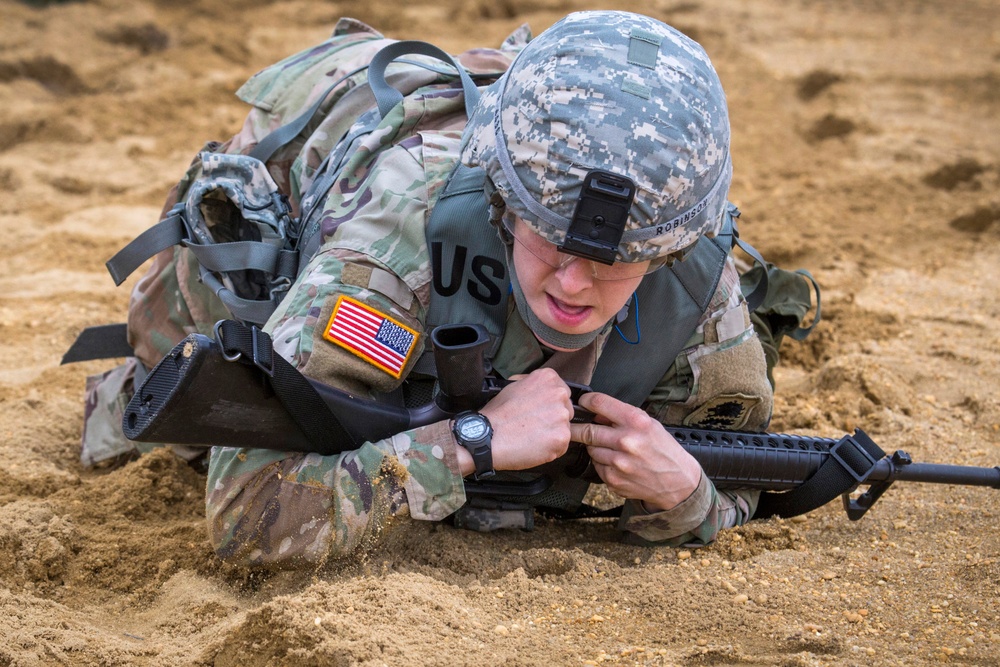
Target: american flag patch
371	335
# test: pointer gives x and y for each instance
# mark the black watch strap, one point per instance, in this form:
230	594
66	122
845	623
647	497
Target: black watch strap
477	440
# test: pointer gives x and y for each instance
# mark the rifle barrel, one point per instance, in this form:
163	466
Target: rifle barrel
779	462
939	473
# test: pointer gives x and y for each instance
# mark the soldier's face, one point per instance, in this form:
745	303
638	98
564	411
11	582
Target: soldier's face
566	292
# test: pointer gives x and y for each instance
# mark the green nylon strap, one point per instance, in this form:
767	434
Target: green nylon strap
246	310
801	332
388	97
282	136
244	255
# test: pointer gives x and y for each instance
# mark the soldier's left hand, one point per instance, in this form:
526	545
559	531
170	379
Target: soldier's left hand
634	454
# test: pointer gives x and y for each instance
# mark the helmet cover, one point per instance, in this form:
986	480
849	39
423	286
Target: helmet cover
614	91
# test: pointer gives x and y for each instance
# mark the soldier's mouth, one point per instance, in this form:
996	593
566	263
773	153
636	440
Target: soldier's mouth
567	314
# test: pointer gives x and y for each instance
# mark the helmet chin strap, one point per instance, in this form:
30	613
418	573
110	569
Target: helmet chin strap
545	333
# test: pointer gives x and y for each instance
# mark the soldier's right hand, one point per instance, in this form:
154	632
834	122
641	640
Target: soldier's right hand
530	419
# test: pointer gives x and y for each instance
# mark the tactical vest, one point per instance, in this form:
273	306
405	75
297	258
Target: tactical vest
471	285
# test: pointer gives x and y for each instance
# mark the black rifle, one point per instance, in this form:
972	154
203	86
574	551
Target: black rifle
234	391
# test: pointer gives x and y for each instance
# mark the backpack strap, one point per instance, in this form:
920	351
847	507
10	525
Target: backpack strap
239	256
166	233
284	135
730	237
756	297
800	333
388	97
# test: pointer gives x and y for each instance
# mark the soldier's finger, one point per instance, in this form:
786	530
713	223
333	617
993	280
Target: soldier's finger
602	456
593	435
608	407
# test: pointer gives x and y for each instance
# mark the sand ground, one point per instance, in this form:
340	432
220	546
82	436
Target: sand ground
867	149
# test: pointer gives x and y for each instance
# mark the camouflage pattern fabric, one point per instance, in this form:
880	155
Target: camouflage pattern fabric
618	92
285	509
275	508
241	181
105	398
170	301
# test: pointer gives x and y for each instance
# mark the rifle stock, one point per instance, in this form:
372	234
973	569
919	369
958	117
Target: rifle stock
201	395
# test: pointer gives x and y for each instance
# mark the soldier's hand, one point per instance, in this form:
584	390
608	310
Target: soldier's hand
530	421
634	454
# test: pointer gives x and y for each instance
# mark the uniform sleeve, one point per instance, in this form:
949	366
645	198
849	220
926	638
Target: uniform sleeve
696	521
281	508
718	381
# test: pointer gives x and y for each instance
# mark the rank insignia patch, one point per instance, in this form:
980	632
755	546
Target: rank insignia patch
375	337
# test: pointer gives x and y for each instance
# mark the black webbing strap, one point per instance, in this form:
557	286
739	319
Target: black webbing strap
107	341
252	346
849	463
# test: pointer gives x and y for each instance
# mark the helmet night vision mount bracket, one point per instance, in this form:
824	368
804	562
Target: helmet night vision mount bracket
600	216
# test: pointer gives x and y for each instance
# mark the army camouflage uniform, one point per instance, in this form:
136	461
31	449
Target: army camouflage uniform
170	301
271	507
268	507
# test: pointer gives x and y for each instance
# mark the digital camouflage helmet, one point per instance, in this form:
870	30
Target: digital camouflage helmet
608	95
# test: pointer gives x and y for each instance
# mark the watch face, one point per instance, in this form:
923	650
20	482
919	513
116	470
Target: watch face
473	428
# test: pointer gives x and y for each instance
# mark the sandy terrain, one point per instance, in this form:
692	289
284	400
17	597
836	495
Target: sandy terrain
867	149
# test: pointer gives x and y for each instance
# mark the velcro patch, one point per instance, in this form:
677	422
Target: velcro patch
726	411
375	337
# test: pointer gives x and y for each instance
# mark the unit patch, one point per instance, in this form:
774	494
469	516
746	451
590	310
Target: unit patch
726	411
375	337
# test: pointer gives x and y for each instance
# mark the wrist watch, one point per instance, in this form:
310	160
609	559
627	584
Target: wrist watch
474	432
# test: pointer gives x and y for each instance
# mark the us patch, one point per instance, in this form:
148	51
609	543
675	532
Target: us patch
375	337
727	412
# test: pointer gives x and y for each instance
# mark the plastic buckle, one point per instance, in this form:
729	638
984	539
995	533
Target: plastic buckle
256	338
835	453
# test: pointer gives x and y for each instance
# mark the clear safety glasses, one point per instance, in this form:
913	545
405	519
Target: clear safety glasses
548	253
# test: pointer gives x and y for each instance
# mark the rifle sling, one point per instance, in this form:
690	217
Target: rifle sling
851	460
319	424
